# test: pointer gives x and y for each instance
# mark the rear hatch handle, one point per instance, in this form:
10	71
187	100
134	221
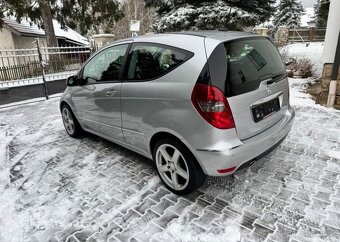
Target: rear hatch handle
268	98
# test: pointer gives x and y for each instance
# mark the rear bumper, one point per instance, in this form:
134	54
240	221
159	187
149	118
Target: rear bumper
254	147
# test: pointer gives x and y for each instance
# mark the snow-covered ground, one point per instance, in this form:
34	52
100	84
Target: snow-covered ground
56	188
312	51
35	80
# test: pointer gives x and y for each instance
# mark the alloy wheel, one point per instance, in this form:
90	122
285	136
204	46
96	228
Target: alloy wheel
172	167
68	121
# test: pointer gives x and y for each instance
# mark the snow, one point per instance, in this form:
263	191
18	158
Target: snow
36	80
54	188
47	180
205	15
29	28
16	168
333	153
313	52
307	16
29	101
230	233
288	13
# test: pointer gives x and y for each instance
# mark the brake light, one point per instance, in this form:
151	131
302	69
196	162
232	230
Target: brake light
211	104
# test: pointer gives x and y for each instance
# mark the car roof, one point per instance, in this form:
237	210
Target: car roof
220	35
191	39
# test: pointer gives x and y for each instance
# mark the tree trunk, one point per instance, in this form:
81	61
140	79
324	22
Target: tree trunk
47	20
54	62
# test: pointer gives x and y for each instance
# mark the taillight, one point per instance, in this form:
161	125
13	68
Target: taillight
211	104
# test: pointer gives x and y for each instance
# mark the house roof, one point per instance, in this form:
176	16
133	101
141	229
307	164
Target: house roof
25	28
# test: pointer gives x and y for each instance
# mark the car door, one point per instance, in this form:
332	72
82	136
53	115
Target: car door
147	88
97	101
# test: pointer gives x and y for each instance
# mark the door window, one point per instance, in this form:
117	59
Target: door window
106	65
149	61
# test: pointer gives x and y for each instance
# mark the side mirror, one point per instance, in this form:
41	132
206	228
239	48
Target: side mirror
81	81
71	81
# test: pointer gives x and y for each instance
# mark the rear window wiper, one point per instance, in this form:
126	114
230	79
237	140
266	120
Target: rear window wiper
276	78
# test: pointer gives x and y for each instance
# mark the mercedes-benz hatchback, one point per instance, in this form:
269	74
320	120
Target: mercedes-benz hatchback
197	103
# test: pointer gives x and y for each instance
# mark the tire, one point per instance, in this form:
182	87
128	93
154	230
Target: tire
177	167
70	122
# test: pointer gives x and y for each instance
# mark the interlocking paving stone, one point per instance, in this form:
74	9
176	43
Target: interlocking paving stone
160	207
333	219
259	233
180	206
206	218
147	233
143	206
218	206
167	217
282	233
89	189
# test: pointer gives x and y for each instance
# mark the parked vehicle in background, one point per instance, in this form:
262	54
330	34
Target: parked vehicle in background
197	103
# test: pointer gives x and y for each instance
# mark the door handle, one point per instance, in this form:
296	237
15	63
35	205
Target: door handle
111	93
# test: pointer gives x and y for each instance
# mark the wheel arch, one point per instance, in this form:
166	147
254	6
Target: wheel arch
165	134
62	103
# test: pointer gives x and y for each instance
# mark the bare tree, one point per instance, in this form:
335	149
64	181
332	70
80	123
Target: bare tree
132	10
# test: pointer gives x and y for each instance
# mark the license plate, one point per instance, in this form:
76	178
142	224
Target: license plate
266	109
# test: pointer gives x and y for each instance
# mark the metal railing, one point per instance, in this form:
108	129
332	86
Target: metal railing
19	64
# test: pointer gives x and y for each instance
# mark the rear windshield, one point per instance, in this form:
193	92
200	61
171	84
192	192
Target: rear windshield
249	62
240	66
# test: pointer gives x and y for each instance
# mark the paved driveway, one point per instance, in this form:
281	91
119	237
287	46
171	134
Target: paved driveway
56	188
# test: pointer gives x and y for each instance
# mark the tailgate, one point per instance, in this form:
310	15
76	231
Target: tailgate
251	74
248	122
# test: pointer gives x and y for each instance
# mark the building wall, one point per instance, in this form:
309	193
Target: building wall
9	40
6	40
103	39
24	42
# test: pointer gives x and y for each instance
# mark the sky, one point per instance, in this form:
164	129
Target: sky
306	3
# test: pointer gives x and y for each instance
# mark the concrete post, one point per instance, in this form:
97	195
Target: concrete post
329	51
335	76
282	36
332	31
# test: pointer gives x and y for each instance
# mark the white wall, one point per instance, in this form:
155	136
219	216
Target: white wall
332	32
24	42
6	40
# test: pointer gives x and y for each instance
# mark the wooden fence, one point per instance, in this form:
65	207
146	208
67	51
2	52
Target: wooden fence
307	35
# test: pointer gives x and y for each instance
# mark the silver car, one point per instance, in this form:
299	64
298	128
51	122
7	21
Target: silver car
197	103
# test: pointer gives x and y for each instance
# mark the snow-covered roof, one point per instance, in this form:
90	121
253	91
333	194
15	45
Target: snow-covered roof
25	28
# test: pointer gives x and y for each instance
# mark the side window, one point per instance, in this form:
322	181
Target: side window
106	65
148	61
